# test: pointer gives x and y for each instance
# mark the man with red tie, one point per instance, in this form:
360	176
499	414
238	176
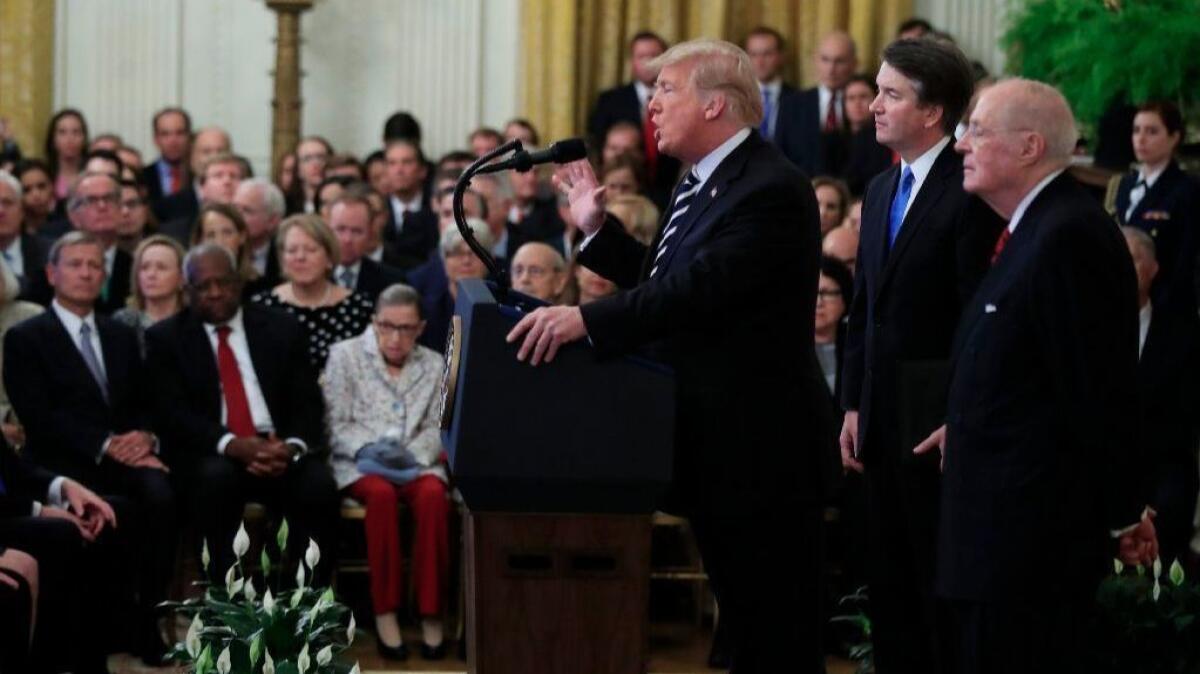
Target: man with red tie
628	103
173	136
240	411
812	132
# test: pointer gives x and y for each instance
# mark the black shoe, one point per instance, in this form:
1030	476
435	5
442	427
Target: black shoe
433	652
394	653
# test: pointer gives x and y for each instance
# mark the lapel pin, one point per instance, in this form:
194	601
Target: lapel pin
989	308
713	193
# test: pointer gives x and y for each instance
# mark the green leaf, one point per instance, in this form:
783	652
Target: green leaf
281	538
256	648
1176	573
264	560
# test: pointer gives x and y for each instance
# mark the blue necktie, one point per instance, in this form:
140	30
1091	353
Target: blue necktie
899	202
92	360
765	127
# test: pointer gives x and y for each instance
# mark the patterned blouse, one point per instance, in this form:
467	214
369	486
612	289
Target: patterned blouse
326	325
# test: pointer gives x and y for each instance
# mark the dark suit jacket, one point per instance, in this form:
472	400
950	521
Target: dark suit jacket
621	104
907	300
543	224
800	137
187	386
429	280
154	190
117	284
374	277
410	246
270	278
1170	213
23	482
1041	448
34	286
58	400
183	205
713	312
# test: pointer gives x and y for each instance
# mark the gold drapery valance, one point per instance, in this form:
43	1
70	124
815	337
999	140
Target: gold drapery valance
27	69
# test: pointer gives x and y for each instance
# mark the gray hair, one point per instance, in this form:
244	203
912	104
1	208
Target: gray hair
13	184
1142	240
556	259
720	66
451	237
272	196
1042	109
74	201
205	250
73	238
398	295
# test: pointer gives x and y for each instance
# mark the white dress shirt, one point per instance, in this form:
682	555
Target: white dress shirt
110	258
399	208
1138	192
1028	199
12	255
920	170
1144	316
254	395
259	256
355	269
644	94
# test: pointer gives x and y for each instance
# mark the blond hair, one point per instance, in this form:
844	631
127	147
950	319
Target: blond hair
723	67
316	229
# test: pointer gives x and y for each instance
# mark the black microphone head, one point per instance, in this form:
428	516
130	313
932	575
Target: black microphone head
568	150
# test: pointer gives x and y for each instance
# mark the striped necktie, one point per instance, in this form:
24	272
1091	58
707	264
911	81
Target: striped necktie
683	198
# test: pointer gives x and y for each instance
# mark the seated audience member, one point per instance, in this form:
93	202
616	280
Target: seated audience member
1168	394
66	143
66	530
312	154
12	311
262	207
539	271
834	292
379	221
76	381
474	206
1162	200
239	407
223	225
350	219
534	212
865	156
131	158
218	177
623	174
94	207
592	286
412	231
24	254
495	191
157	285
37	197
285	172
103	161
183	205
638	214
522	130
483	140
329	191
853	218
623	138
109	142
375	168
841	244
832	200
328	312
136	219
454	162
382	396
345	166
436	281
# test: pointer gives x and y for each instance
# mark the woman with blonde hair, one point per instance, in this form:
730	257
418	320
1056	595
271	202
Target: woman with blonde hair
638	214
156	278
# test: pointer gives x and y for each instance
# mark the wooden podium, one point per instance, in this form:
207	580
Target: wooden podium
560	467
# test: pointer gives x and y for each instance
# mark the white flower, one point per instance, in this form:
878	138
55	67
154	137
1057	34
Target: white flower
1118	567
248	590
1157	567
353	670
192	640
269	601
299	575
204	556
312	555
241	541
233	584
325	656
223	663
1156	591
268	663
350	630
302	661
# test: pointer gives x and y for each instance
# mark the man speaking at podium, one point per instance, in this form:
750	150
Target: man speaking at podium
724	295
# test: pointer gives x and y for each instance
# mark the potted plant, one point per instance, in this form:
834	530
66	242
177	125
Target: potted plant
1147	622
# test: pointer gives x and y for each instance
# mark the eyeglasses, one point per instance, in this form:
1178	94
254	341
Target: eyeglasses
826	295
94	200
406	330
533	270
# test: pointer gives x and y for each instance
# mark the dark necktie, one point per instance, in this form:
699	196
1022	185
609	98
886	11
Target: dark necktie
91	360
237	406
765	127
683	199
1001	242
831	116
1135	197
176	178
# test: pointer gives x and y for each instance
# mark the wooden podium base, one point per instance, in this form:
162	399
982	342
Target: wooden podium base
557	593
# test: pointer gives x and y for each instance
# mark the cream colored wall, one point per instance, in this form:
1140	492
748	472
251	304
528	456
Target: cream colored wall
977	26
452	63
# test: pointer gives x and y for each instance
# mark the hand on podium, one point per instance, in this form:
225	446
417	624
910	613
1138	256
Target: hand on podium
545	330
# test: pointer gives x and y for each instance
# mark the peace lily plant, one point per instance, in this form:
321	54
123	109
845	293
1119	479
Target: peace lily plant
1148	620
235	630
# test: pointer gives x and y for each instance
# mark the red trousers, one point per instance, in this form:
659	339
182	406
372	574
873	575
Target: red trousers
426	500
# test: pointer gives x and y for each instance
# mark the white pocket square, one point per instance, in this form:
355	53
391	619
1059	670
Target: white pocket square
989	308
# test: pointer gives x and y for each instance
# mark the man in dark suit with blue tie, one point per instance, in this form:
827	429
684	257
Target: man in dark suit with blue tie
1042	483
77	383
924	247
704	298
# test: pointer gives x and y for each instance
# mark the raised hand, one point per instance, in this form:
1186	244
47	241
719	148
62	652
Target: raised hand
578	181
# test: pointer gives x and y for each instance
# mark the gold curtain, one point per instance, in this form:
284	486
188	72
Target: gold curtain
573	49
27	69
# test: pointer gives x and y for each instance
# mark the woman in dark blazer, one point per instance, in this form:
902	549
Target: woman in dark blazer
1159	198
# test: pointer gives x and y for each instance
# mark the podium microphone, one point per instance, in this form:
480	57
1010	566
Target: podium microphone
521	161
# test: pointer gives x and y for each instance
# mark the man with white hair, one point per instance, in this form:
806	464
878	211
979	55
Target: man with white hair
539	271
25	254
262	206
1040	447
703	297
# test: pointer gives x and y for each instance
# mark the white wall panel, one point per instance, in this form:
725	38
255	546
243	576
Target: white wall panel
977	26
452	63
